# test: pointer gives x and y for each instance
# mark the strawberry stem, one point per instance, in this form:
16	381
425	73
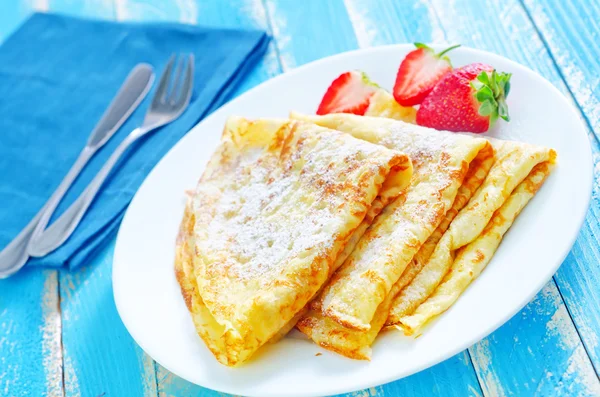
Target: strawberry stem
441	54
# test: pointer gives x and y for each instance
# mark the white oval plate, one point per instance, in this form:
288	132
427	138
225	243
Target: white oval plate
148	297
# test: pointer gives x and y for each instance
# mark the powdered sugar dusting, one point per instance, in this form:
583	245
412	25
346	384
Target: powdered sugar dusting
281	208
424	145
438	158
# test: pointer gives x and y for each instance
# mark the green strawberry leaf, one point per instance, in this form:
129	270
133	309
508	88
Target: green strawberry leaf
483	77
476	85
491	90
484	93
503	110
486	108
423	46
494	82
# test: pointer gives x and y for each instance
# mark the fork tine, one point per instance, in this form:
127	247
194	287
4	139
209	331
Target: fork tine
188	82
163	84
176	81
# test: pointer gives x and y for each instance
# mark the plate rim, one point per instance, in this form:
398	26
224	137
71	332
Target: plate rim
486	331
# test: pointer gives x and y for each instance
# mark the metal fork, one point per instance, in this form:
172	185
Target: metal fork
170	100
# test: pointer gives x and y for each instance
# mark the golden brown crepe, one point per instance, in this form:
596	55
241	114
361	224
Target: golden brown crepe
472	233
460	248
275	207
350	311
472	259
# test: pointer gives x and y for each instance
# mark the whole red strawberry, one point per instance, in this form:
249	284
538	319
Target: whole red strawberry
419	72
468	99
351	92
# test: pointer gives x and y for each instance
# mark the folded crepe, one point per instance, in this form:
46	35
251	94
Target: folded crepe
474	235
460	248
348	314
261	233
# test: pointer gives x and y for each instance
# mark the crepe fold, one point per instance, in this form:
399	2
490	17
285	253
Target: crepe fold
348	314
261	232
468	237
474	235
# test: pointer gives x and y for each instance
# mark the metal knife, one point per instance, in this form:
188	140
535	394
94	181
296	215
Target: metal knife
136	86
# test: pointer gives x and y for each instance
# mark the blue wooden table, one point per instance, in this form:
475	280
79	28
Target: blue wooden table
60	334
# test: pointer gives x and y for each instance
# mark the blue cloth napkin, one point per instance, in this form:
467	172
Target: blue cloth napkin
57	76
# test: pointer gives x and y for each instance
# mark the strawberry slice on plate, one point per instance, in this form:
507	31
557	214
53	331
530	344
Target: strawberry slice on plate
419	72
351	92
470	98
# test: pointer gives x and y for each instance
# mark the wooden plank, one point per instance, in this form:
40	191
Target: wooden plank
242	14
185	11
509	32
100	357
370	25
453	377
30	334
541	331
98	9
393	22
570	30
298	25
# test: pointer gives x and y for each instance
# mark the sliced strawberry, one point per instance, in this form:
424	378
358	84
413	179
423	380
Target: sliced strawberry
468	99
419	72
349	93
